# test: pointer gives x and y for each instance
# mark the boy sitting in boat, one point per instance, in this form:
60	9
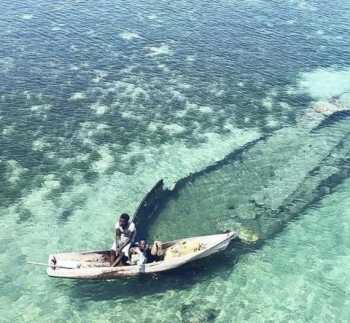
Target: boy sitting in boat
125	232
141	253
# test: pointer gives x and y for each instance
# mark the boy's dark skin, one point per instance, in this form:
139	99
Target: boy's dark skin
116	256
146	249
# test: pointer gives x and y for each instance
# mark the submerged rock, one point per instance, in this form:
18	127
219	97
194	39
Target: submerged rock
198	313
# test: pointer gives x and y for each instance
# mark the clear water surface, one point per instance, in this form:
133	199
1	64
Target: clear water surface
100	99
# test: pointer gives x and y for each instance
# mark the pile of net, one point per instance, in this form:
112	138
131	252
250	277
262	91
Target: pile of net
183	248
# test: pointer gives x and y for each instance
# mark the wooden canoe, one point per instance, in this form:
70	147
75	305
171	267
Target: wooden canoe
96	264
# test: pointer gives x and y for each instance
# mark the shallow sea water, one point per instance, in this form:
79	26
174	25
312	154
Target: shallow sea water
99	100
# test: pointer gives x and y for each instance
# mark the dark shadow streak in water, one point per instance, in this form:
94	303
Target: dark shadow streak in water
304	197
336	116
290	208
333	118
151	206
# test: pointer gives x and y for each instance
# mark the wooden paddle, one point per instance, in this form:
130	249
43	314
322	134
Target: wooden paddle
47	265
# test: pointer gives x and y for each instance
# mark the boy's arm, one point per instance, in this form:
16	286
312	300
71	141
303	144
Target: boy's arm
117	237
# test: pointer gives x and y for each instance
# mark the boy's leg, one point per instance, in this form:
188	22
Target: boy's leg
117	258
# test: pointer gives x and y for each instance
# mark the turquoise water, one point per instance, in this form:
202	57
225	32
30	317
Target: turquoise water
99	100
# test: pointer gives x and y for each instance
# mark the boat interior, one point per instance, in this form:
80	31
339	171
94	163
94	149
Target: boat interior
157	252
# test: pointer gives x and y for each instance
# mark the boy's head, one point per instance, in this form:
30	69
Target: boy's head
124	220
142	244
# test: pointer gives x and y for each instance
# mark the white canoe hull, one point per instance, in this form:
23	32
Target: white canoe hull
94	264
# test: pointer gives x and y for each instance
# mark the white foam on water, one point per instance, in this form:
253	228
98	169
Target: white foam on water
56	28
161	50
267	103
272	123
69	161
14	171
90	129
285	106
106	159
152	16
27	16
130	115
191	58
164	68
127	35
99	109
174	128
215	89
153	126
51	182
130	90
184	86
78	96
8	130
205	109
128	69
41	108
188	107
40	144
73	67
177	95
